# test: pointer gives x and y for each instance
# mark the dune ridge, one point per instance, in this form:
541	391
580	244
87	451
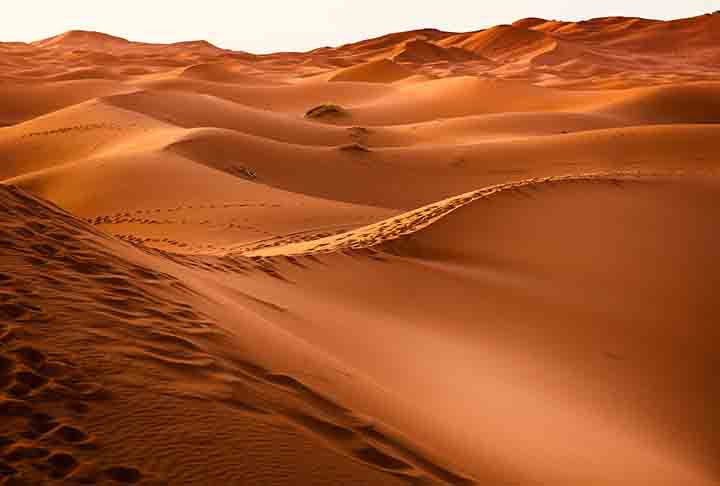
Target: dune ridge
414	221
612	51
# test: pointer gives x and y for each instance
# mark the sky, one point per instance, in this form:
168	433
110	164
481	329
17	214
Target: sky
262	26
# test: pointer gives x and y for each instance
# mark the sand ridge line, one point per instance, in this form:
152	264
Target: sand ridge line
415	220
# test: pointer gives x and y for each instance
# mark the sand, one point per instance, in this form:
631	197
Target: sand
495	263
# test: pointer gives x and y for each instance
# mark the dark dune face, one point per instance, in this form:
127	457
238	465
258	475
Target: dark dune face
484	258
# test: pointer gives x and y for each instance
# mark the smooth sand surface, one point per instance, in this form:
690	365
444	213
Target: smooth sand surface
491	258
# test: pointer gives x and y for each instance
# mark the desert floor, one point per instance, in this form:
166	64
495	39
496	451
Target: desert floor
487	258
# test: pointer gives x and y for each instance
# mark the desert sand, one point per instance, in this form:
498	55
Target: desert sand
430	258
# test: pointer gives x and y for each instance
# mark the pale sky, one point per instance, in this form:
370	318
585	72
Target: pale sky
261	26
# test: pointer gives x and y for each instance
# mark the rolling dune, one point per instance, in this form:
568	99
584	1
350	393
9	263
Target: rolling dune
428	258
383	71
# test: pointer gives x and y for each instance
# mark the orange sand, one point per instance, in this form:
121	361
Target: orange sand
497	265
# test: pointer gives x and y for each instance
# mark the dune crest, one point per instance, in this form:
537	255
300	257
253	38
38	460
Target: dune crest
382	71
81	38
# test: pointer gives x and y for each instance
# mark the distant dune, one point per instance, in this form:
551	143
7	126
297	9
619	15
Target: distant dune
383	71
496	265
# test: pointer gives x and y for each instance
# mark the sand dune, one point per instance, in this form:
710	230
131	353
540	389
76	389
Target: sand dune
494	264
383	71
83	39
502	43
220	72
21	102
64	409
421	51
687	103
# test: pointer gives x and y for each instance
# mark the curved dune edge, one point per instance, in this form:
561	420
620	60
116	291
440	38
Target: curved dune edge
183	357
417	219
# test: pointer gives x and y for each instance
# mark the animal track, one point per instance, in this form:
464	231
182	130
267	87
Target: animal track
75	128
300	236
124	474
135	216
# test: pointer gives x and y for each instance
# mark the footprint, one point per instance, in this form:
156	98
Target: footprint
86	391
61	464
24	233
7	365
21	453
45	250
36	262
30	379
6	381
15	408
30	356
123	474
54	369
77	407
70	434
58	236
19	390
113	280
7	470
41	423
12	311
6	441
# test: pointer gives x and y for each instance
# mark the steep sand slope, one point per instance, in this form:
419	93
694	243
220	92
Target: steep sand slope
551	305
22	102
155	317
130	362
501	43
420	51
